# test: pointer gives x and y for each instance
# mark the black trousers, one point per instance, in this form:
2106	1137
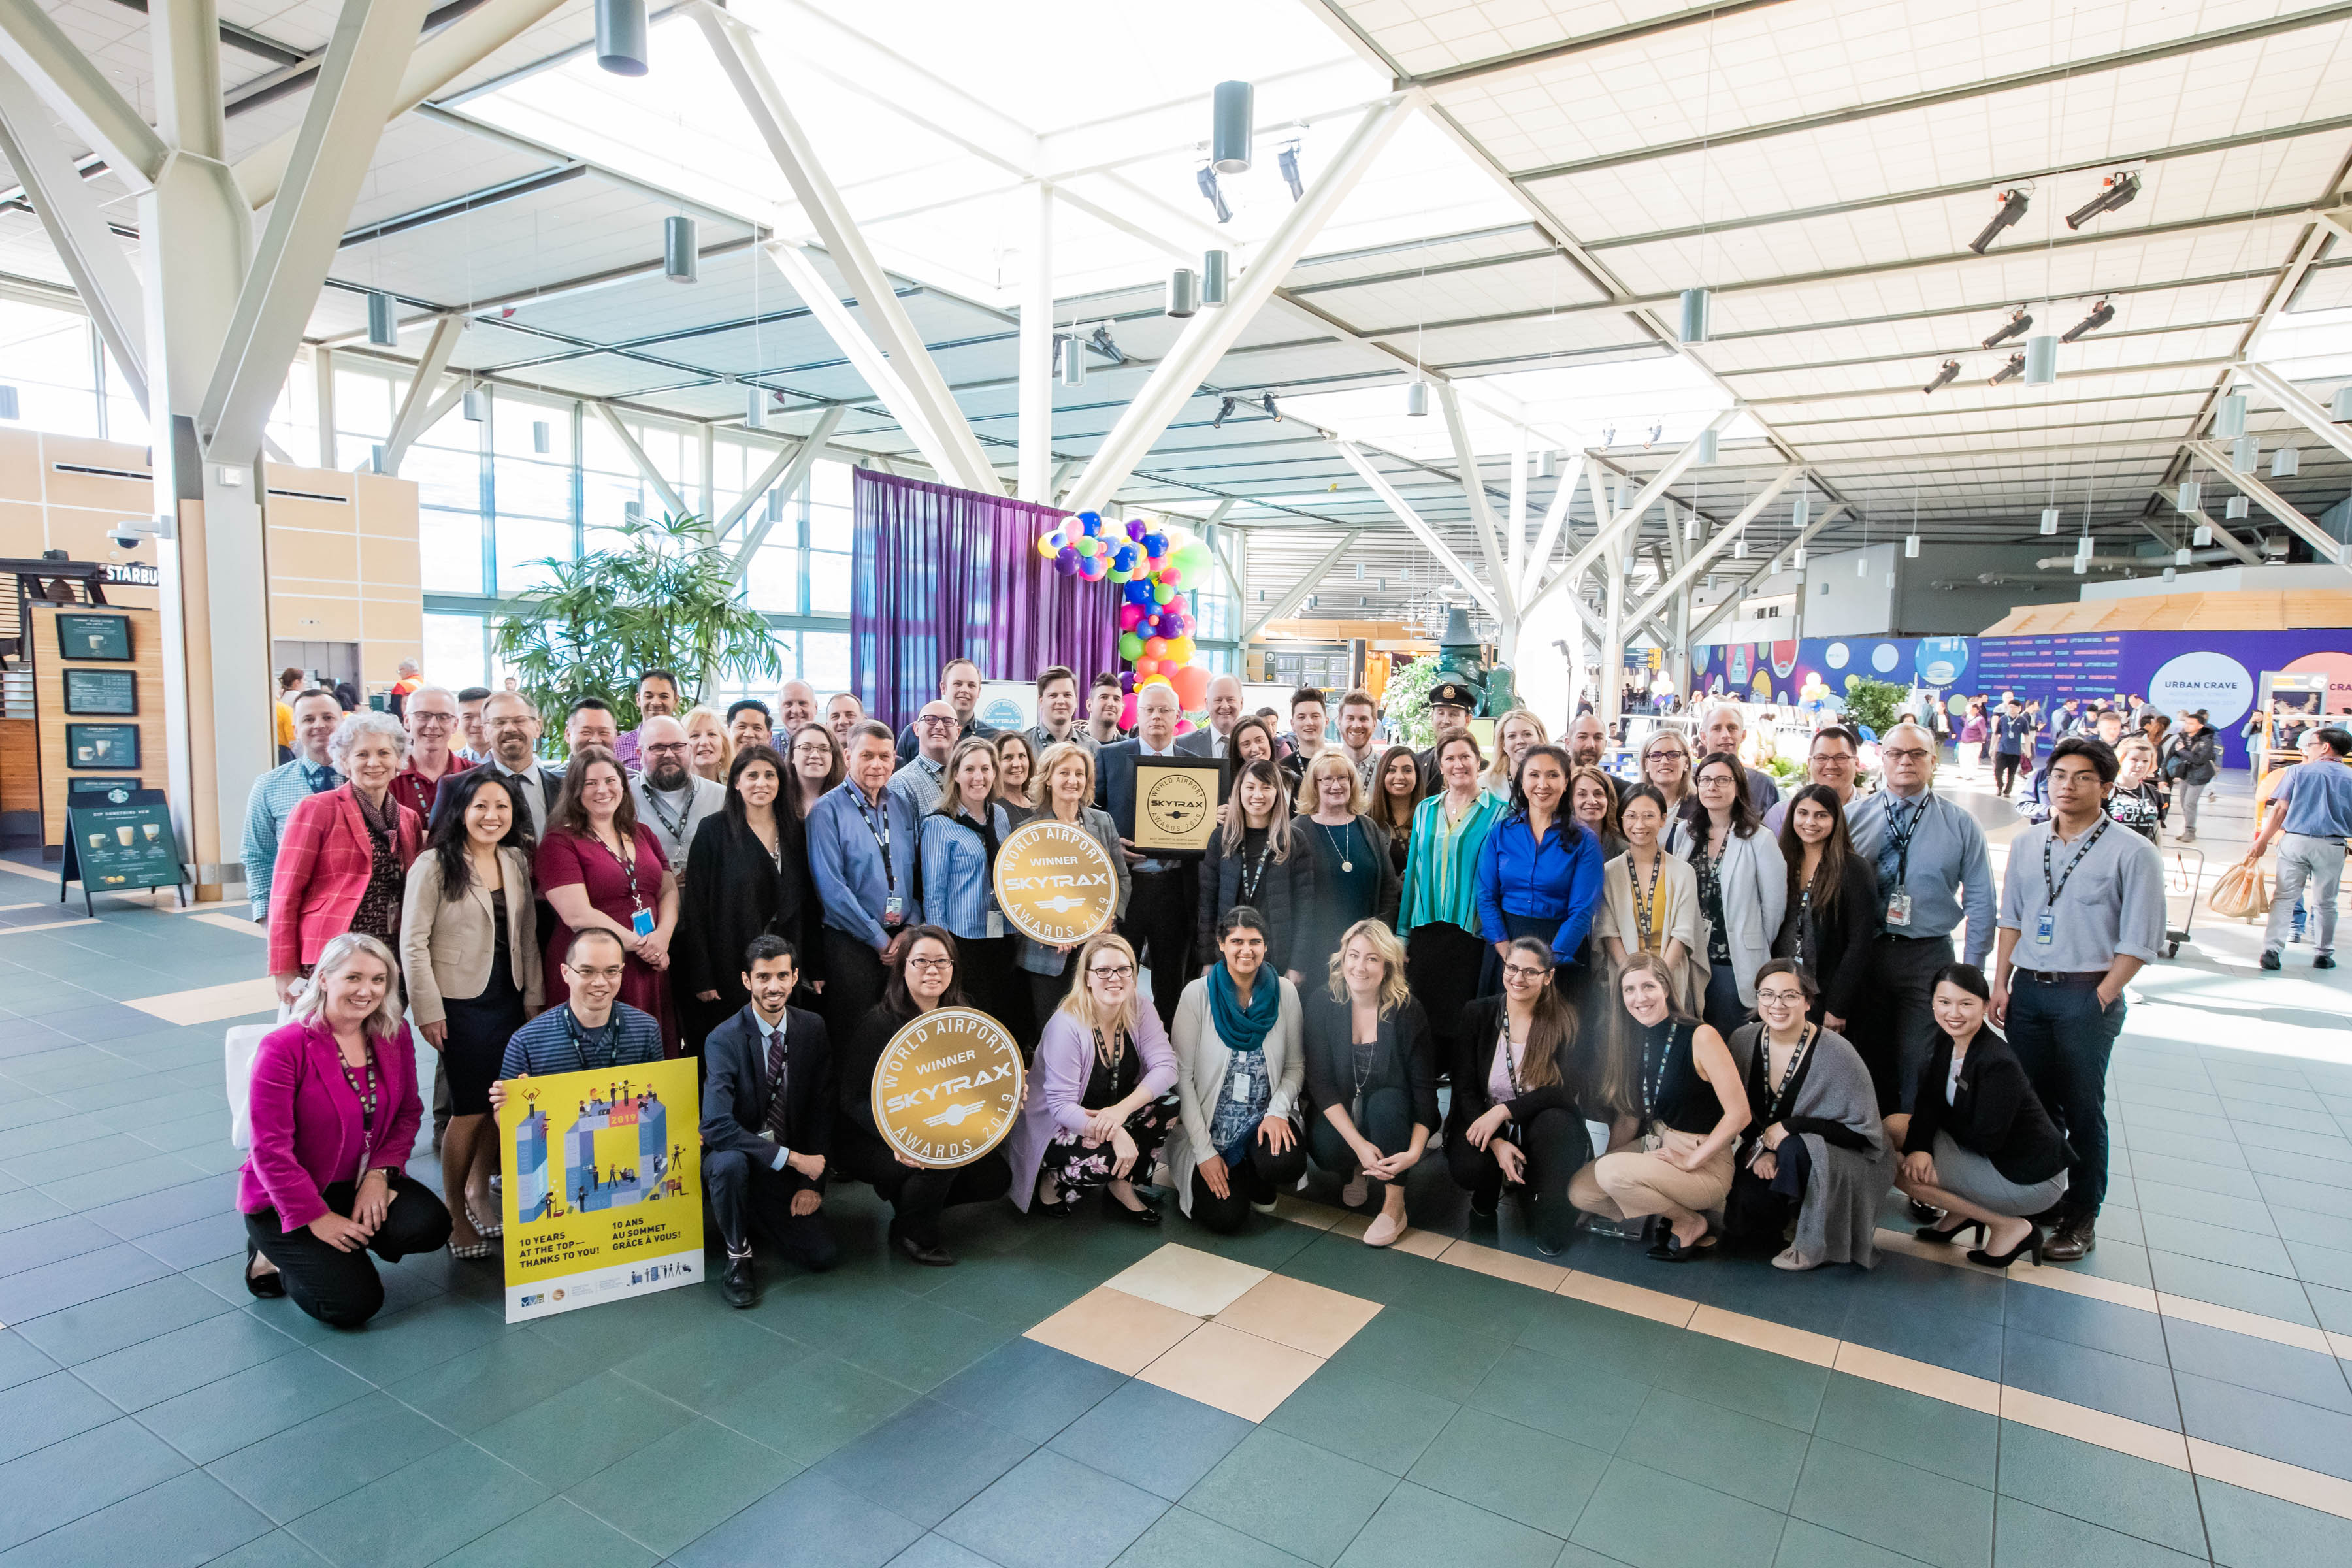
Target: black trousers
2004	771
917	1196
1387	1120
1257	1178
340	1289
1903	984
2062	1037
854	978
1159	923
744	1193
993	982
1557	1146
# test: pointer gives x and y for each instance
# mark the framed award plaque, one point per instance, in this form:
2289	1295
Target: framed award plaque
1176	803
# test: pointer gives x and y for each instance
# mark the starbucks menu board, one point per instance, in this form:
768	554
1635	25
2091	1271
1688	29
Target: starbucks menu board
94	636
119	840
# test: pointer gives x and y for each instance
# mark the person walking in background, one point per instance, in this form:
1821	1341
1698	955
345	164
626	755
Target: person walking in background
2012	740
2310	817
2190	759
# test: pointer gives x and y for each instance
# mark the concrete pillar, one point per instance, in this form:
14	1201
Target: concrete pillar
1036	354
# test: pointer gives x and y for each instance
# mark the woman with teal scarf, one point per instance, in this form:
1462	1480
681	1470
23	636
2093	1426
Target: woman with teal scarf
1239	1070
1438	914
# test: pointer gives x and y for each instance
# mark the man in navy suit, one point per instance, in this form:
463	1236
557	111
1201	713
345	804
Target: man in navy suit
1163	909
766	1123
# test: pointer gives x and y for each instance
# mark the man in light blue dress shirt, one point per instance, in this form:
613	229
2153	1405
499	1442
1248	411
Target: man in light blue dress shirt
862	851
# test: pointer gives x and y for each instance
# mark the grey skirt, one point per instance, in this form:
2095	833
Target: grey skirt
1965	1174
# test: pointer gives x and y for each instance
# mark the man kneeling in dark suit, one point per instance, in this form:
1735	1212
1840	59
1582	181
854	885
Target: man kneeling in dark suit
767	1121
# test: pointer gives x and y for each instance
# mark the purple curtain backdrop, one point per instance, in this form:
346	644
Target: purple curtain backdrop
938	572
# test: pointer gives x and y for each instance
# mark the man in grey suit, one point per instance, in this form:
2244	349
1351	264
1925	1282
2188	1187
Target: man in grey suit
1224	712
1162	910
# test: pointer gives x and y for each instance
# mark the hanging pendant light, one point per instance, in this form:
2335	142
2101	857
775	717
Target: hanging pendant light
679	258
1911	547
2230	419
2239	507
2244	453
755	407
476	404
621	36
1213	266
1416	397
1690	527
1547	464
1739	548
1708	440
382	331
2203	536
2041	361
2049	521
1694	313
1797	559
1229	127
2285	463
543	438
2192	496
2340	408
1183	293
1073	361
2182	557
1801	510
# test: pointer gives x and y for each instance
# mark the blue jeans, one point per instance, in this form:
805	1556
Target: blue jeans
2064	1038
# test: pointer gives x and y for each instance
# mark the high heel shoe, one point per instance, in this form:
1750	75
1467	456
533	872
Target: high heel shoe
267	1285
1938	1234
2033	1244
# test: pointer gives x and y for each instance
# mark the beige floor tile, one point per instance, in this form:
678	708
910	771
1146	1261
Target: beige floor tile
1292	1313
211	1004
1422	1244
1503	1265
1918	1377
2078	1282
1758	1333
1622	1297
1113	1328
233	923
1200	1283
2096	1427
1239	1373
2271	1477
1298	1211
2302	1336
47	925
1351	1224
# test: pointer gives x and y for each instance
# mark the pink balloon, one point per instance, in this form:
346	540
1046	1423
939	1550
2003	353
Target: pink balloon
1170	575
1129	616
1174	607
1126	711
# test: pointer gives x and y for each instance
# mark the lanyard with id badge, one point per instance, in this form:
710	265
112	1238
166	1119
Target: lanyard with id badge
1898	902
641	919
2045	929
894	908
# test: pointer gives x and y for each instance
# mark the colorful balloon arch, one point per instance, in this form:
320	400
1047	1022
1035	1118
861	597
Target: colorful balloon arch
1155	622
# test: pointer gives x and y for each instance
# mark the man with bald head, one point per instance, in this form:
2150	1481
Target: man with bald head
1934	873
923	776
671	799
1725	727
1588	742
1224	712
796	706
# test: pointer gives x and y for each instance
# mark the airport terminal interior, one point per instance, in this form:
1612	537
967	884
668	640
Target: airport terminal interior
1625	364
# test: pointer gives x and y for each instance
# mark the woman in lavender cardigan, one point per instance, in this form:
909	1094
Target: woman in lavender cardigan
1098	1105
335	1112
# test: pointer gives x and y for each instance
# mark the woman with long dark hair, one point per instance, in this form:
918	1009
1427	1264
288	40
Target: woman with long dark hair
1514	1122
923	978
1239	1072
1833	914
1539	872
1743	886
1592	801
1396	795
470	948
817	766
1251	740
746	876
1252	862
600	868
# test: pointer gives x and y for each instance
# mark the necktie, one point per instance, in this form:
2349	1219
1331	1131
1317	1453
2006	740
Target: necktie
774	1119
320	779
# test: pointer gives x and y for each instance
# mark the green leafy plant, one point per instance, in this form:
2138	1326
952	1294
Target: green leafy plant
1873	702
665	598
1406	699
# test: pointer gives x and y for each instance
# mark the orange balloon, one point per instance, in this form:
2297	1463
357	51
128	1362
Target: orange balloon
1192	684
1155	648
1145	665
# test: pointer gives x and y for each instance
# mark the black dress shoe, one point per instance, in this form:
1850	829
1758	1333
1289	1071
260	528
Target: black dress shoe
2270	960
1925	1213
738	1285
2325	961
2074	1238
268	1286
1148	1215
929	1257
1667	1250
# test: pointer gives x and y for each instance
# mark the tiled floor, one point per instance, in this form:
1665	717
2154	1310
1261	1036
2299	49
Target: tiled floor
1079	1392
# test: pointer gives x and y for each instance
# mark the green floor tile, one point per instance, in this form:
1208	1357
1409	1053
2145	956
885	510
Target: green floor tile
1739	1377
1182	1538
709	1363
127	1317
583	1430
48	1410
395	1346
1015	1291
1470	1300
1652	1520
1949	1440
1422	1353
1579	1331
1515	1471
188	1519
1572	1399
1807	1545
1939	1520
278	1549
708	1473
2025	1536
1745	1455
1364	1417
555	1532
246	1407
1416	1526
1306	1501
922	1345
2251	1531
488	1384
170	1364
310	1465
423	1513
813	1406
2136	1496
53	1487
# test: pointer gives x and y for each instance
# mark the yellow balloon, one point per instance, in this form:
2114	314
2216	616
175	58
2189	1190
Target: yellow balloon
1153	680
1181	649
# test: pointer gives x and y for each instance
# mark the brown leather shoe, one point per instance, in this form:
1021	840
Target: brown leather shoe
2073	1239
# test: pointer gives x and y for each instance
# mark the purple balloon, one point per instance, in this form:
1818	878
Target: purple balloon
1066	565
1135	529
1126	681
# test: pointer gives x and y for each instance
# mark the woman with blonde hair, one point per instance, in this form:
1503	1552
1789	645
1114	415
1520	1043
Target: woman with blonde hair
1066	794
1098	1106
1252	860
709	750
1371	1075
1667	768
1517	732
1344	872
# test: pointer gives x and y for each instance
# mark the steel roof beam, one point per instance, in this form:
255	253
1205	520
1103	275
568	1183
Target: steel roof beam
2224	536
787	473
2323	544
1297	593
1420	528
421	408
671	500
1724	537
2298	407
1607	534
76	90
1482	511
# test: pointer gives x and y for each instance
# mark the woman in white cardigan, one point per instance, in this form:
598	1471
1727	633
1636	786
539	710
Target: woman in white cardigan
1239	1069
1743	886
1649	903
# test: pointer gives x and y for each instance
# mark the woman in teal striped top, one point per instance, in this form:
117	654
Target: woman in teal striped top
1438	915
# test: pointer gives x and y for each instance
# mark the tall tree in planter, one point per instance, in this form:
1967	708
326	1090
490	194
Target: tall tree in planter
665	598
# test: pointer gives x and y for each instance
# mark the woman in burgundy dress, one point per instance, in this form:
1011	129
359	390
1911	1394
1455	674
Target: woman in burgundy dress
599	870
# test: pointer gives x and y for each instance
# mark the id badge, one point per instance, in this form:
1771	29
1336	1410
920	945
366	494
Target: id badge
1898	910
642	923
2046	927
996	923
894	910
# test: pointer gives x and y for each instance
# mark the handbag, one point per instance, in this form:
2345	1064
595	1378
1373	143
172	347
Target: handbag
239	1048
2242	892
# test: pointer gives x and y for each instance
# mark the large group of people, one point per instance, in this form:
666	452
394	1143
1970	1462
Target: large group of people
1673	1002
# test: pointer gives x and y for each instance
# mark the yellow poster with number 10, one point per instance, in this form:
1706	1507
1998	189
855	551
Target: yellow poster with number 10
604	1186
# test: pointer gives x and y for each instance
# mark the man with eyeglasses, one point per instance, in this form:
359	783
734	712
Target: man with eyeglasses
670	797
1934	871
277	793
594	1030
431	720
919	780
960	690
1833	761
657	699
512	725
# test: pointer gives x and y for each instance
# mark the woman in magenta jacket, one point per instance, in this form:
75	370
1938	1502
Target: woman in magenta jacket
335	1112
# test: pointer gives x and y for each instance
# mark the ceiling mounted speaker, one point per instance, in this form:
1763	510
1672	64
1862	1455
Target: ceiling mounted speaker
2182	558
2285	463
621	36
1183	293
2244	453
1797	560
1801	510
2203	536
755	407
1229	128
2041	361
1214	267
2340	408
1709	441
382	331
2192	496
2049	521
1416	398
476	404
2238	506
678	257
1696	303
1074	362
542	437
2230	419
1911	548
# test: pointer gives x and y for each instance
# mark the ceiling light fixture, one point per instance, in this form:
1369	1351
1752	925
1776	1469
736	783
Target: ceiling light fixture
2190	497
2101	314
2016	326
1416	398
1266	402
2244	453
679	258
543	438
1707	447
2115	191
1213	266
383	331
2010	372
2285	463
1288	161
2041	361
621	36
1694	313
1229	128
2013	208
476	404
1944	376
755	406
1183	293
2203	536
2340	409
2239	507
2049	522
1072	353
1206	178
2230	418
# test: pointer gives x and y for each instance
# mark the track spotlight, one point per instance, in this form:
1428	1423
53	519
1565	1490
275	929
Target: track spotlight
1266	402
2016	326
1656	431
1224	412
2114	191
1206	178
2013	208
2010	372
1944	376
2101	314
1288	161
1105	347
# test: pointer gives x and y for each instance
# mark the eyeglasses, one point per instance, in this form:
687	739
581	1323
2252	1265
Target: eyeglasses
1524	971
420	718
666	748
930	965
934	722
1112	971
1911	755
1780	996
612	974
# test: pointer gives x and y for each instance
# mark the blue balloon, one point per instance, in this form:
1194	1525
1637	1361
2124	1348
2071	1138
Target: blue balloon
1155	544
1127	557
1093	520
1138	592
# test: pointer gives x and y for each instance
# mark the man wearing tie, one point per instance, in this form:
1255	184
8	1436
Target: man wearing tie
1224	712
766	1123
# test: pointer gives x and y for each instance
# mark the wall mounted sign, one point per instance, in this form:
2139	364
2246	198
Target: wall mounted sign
96	691
94	636
101	745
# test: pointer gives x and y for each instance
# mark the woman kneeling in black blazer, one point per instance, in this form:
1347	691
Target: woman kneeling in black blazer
1514	1121
1371	1074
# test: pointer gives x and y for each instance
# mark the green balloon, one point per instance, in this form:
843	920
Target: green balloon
1162	593
1130	647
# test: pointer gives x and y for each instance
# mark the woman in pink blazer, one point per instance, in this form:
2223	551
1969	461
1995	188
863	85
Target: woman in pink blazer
343	861
335	1112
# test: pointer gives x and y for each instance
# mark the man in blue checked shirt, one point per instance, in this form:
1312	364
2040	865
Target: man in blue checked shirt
593	1030
277	793
863	853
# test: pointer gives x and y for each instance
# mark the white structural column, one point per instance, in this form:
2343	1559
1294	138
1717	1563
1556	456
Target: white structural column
1515	552
1295	595
1610	532
2299	407
960	460
799	266
1525	586
794	474
2323	544
1613	626
671	500
1034	471
1420	528
1482	511
322	392
68	213
420	408
77	89
1716	546
1176	380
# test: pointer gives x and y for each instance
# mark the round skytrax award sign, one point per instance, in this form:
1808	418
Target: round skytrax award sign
948	1087
1055	883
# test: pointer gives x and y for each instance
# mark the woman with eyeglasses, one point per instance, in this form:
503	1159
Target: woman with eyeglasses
746	877
1813	1164
1978	1142
1743	885
961	835
1239	1072
1666	768
923	978
817	766
1253	861
1371	1076
1514	1121
1516	733
1538	873
1437	911
1671	1153
1098	1107
1067	791
1016	775
1344	872
1832	915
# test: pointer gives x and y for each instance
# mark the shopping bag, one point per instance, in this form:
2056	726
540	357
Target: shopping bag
243	1042
2242	892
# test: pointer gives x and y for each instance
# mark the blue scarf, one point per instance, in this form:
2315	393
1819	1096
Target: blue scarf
1244	1029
